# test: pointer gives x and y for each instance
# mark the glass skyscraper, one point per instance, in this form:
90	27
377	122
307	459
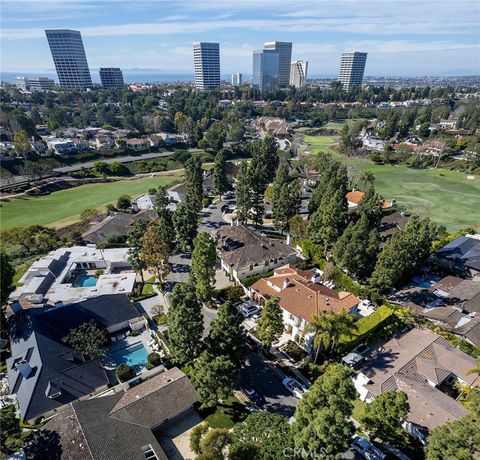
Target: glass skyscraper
265	69
69	58
352	67
206	58
111	77
285	58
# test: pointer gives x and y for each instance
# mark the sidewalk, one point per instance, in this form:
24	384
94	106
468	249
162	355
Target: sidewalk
281	357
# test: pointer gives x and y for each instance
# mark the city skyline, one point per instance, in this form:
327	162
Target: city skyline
410	39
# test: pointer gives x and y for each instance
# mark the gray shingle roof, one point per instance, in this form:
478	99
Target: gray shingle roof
463	251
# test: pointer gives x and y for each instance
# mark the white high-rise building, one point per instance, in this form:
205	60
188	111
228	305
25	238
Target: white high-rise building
298	73
206	58
237	79
69	57
352	67
284	50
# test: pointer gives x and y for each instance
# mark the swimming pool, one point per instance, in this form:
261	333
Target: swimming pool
86	281
133	355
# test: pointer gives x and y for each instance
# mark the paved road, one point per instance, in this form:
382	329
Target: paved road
125	159
267	381
212	218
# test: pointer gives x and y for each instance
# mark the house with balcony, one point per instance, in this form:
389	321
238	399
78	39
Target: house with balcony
302	296
244	252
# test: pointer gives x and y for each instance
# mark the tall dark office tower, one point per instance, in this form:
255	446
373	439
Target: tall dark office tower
352	67
69	58
285	58
111	77
206	57
265	69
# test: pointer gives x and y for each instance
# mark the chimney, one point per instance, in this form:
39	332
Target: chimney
288	238
315	278
286	283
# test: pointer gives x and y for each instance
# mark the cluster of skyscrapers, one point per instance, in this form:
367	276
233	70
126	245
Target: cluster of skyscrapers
272	66
71	63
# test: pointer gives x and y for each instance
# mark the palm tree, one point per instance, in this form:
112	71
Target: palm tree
367	177
327	328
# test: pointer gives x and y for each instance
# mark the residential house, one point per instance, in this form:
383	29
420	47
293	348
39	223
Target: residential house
355	196
461	255
103	142
392	223
369	142
69	275
177	194
244	252
302	296
143	202
425	366
126	424
81	144
44	372
448	124
274	126
61	146
155	140
137	144
434	147
117	225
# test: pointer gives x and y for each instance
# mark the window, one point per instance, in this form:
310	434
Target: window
149	453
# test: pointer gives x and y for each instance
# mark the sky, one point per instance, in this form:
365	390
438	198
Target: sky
402	37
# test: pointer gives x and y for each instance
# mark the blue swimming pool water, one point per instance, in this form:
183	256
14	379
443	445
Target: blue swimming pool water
86	281
133	355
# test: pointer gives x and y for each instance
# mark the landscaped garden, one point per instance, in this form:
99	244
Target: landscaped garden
226	413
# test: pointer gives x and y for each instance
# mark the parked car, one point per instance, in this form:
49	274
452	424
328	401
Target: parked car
295	387
248	310
253	396
366	449
211	206
362	349
225	208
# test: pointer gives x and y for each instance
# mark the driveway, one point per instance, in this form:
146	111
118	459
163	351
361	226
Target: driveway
267	381
212	218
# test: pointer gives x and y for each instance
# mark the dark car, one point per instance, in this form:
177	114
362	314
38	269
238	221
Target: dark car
225	208
253	396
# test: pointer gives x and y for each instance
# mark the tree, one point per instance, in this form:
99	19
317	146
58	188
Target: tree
220	179
403	253
263	435
327	328
185	222
345	145
6	277
135	242
298	228
89	215
460	438
124	202
88	339
204	258
214	444
213	378
371	205
383	417
194	180
227	336
21	143
185	322
242	193
215	135
165	216
30	238
357	248
124	372
285	198
155	250
11	439
322	418
270	324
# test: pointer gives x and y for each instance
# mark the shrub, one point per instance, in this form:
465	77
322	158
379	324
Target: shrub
366	326
149	366
154	359
293	350
160	320
135	333
196	436
125	372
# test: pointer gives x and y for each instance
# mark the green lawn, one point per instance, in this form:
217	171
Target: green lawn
64	207
320	143
147	288
447	197
227	414
358	409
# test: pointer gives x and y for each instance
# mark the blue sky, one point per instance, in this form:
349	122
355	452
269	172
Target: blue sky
402	37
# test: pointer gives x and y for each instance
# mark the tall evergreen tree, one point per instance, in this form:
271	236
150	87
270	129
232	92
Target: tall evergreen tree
185	322
357	248
135	243
204	258
227	336
322	419
220	179
6	276
185	222
165	216
270	324
194	180
155	250
242	193
371	205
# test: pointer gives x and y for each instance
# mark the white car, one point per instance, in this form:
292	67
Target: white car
249	310
295	387
366	449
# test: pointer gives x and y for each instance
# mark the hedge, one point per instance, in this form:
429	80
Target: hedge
249	280
125	372
366	326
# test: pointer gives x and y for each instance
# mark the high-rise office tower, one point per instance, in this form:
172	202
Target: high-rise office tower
206	58
237	79
298	73
265	69
69	58
41	84
352	67
285	58
111	77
